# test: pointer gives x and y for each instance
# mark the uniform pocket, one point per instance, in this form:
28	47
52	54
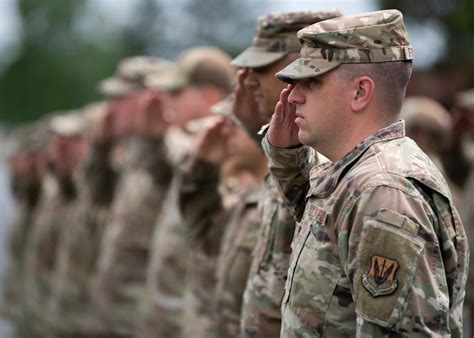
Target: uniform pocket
315	268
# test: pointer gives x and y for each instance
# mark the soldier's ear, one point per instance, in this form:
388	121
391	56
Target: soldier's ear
363	93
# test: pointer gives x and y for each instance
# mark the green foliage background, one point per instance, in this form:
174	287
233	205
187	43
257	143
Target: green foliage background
59	68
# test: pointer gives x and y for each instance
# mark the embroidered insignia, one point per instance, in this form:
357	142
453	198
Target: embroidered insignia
380	279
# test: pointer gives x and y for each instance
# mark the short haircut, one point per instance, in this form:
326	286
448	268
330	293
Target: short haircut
390	78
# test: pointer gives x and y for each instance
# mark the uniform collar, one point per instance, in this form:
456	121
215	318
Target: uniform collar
325	177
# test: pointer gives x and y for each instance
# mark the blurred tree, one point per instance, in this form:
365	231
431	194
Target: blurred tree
457	17
68	46
229	24
57	68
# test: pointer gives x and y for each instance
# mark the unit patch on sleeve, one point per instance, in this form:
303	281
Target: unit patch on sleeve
380	280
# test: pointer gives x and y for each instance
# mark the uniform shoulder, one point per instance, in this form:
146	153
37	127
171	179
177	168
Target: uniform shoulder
395	163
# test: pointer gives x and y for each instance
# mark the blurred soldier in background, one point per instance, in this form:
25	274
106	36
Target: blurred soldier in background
57	201
428	123
70	300
221	212
256	94
120	275
24	164
203	76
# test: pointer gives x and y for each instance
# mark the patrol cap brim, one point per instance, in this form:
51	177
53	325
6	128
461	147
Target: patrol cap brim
169	80
255	57
305	68
115	86
68	125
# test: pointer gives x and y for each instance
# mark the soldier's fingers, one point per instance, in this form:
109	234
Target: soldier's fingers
284	100
278	115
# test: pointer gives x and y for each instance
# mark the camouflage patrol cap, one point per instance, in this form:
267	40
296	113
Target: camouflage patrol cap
130	75
93	112
68	124
421	112
196	66
363	38
35	136
276	36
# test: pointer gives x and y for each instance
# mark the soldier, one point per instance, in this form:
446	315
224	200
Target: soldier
57	203
71	301
379	249
25	185
120	276
224	224
274	46
202	77
428	123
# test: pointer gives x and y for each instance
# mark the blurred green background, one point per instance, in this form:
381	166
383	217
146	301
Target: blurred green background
54	52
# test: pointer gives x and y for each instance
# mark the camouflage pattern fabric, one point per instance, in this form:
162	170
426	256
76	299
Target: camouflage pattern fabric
275	36
13	300
233	264
161	307
363	38
261	315
223	227
40	255
26	194
121	269
379	248
78	250
203	214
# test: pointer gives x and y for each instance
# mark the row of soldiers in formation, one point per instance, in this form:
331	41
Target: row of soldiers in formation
152	214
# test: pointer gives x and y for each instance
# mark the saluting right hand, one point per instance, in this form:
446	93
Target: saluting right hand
283	132
244	105
150	119
212	144
103	131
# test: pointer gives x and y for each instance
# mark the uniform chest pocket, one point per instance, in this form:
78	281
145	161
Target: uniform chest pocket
315	268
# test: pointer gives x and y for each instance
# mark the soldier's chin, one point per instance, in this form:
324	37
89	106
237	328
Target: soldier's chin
303	139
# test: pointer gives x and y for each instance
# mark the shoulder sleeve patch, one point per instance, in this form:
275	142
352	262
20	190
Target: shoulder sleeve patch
387	258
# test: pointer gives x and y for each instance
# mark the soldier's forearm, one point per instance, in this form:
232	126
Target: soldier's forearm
287	167
199	198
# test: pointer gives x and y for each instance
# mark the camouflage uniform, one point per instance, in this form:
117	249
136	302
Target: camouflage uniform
428	122
379	248
70	302
56	205
261	316
201	206
120	276
26	190
161	307
233	264
119	279
223	237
